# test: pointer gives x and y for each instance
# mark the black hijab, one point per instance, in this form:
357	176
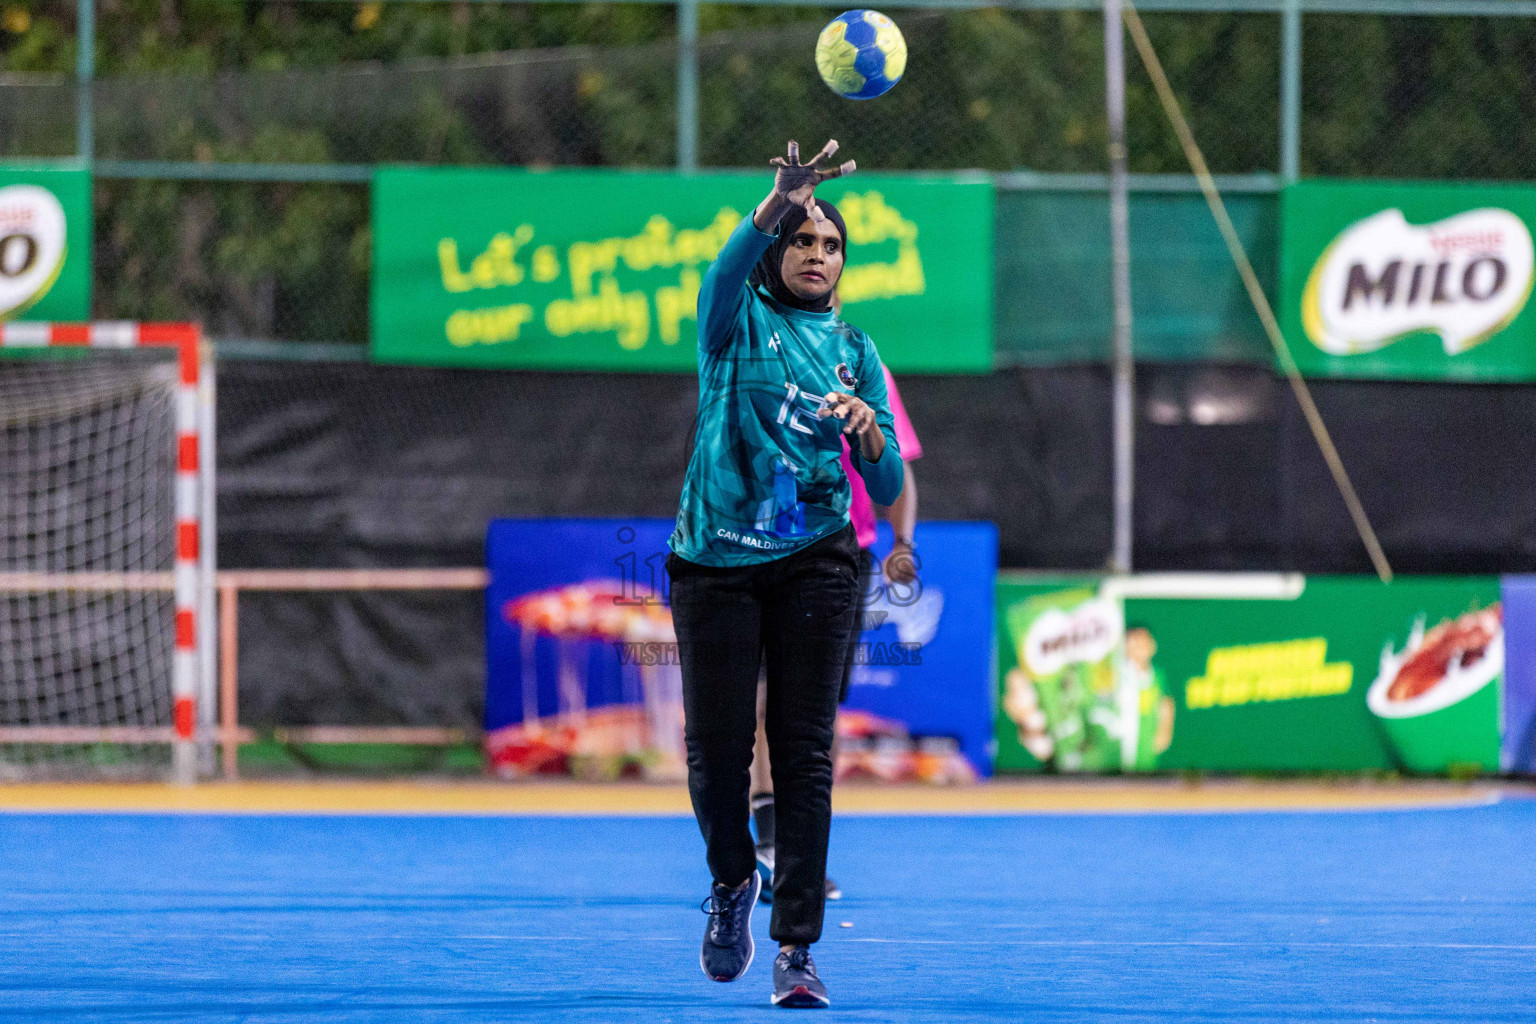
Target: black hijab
769	270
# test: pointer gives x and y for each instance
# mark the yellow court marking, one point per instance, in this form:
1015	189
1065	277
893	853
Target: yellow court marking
568	798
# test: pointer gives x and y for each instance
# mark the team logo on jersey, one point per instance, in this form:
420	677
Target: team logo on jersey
846	376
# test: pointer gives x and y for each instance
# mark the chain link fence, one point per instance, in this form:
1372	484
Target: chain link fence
566	107
988	89
1417	97
37	116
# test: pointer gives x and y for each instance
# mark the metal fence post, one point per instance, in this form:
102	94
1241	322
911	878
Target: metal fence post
1290	91
1122	366
688	85
85	73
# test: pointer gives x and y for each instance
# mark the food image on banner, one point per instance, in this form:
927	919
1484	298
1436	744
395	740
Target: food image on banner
645	725
45	244
582	670
1084	692
1412	280
1435	697
601	269
1058	694
583	676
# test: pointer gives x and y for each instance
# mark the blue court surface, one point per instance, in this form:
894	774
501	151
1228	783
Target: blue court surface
1399	915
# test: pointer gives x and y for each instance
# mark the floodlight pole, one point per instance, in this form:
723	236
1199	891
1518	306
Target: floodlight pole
1290	91
687	86
1122	367
85	76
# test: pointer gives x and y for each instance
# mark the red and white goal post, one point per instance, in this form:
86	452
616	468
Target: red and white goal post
99	654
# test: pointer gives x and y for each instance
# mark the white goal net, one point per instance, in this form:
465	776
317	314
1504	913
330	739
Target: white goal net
100	574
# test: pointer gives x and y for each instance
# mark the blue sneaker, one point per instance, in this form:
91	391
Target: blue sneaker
727	950
795	984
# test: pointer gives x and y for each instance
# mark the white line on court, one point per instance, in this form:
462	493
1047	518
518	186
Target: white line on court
1056	943
1182	943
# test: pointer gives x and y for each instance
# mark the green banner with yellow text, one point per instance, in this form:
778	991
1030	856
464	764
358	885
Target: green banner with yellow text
600	269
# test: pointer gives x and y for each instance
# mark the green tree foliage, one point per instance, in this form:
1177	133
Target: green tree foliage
559	84
320	82
284	261
1418	97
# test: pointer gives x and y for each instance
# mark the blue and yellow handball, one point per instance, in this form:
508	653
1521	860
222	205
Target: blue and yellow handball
861	54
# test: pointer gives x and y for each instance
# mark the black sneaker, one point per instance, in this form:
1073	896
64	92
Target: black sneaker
765	868
833	891
795	985
727	950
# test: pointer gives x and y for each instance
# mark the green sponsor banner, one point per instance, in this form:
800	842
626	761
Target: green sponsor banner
1425	281
601	269
1263	673
45	244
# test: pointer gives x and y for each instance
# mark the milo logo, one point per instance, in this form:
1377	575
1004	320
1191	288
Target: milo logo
1058	638
1464	278
32	245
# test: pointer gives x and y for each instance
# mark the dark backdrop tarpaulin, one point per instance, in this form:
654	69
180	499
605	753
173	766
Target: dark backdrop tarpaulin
340	464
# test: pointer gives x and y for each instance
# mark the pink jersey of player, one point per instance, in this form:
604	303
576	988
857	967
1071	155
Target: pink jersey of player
861	512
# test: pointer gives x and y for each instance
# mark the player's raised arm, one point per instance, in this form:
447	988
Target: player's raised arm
794	184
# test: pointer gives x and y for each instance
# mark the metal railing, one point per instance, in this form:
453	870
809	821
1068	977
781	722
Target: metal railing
230	734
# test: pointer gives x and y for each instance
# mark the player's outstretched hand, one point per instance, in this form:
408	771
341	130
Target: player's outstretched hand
797	182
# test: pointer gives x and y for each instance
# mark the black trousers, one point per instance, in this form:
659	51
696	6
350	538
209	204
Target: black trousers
796	613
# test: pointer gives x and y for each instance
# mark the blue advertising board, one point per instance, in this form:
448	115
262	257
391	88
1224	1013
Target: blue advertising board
582	675
942	689
1518	747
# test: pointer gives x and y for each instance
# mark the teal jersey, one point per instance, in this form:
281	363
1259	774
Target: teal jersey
764	479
